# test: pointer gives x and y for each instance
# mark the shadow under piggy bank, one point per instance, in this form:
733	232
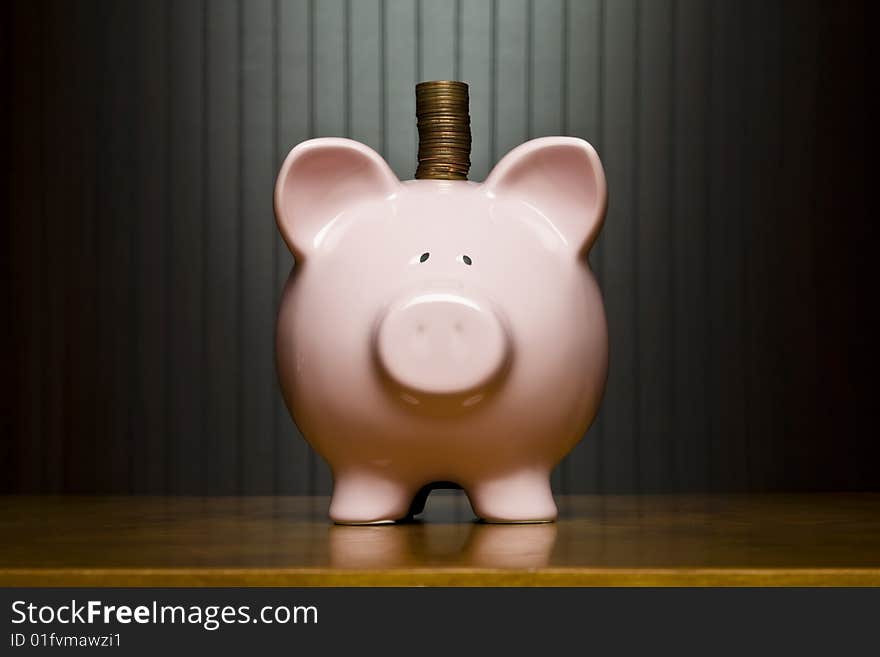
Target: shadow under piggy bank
469	545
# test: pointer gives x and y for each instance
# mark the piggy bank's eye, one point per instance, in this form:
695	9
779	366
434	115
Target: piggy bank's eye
467	260
424	256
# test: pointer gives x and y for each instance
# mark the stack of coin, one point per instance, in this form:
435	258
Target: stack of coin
444	130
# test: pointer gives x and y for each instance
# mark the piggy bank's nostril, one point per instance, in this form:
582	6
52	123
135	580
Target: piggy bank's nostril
420	328
458	327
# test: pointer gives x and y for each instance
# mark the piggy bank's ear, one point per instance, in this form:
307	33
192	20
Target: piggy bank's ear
318	180
563	179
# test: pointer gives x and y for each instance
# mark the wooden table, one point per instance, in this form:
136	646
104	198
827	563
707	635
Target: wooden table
657	540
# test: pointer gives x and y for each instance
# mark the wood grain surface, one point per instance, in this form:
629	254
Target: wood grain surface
657	540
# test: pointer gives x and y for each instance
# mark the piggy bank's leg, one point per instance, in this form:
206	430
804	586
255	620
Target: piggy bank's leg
517	497
362	498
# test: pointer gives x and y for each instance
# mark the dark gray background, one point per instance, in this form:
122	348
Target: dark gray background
142	267
392	619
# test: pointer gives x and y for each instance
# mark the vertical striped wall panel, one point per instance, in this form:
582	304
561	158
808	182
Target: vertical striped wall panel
145	268
689	202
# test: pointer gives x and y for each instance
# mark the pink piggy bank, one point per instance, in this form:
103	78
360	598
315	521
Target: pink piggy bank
441	331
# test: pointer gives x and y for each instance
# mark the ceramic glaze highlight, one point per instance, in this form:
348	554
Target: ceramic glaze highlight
438	330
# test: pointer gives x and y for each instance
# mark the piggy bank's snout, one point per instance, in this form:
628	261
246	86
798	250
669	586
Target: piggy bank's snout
442	344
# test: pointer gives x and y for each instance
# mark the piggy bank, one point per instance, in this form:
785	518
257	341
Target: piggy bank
438	330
